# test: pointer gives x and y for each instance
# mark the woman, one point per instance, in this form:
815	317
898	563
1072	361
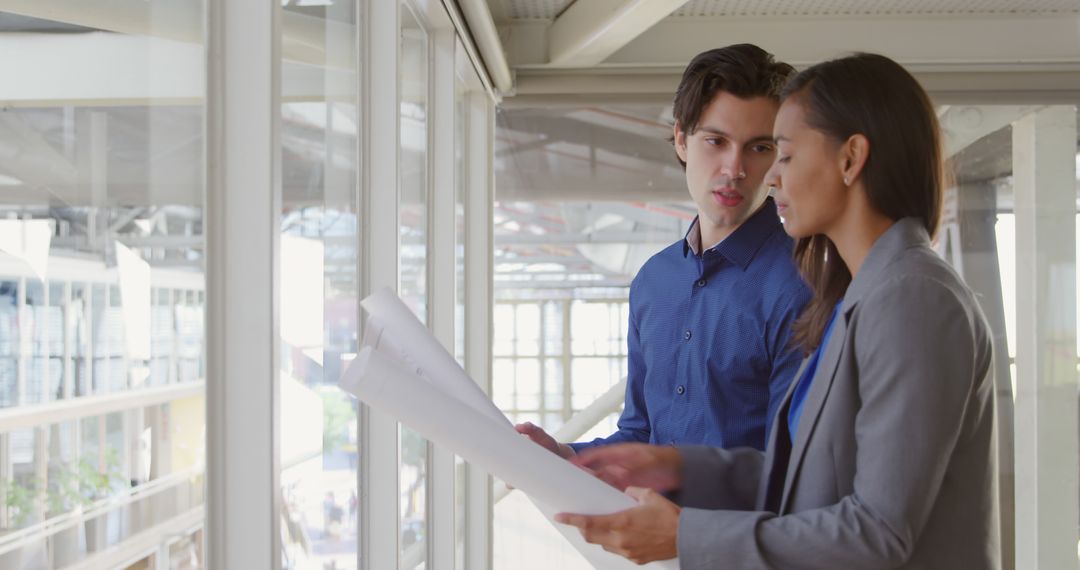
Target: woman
883	453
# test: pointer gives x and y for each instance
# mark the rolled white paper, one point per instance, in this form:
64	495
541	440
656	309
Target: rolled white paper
405	372
385	385
424	353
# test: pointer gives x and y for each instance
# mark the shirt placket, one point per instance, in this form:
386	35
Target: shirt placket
687	382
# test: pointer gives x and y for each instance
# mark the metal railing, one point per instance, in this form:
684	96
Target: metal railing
54	525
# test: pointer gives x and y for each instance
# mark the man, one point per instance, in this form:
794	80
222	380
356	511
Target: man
709	333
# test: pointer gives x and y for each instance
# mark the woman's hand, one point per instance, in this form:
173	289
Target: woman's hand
641	534
624	465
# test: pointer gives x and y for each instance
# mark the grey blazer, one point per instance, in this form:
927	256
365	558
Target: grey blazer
894	464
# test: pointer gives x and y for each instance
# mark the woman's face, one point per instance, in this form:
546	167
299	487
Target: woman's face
807	174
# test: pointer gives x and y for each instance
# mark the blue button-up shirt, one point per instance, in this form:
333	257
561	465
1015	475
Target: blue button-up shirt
709	339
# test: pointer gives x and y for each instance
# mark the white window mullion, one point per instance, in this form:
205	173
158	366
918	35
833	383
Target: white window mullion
478	312
440	496
379	472
242	216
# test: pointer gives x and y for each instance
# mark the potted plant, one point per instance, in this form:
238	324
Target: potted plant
18	503
65	496
95	485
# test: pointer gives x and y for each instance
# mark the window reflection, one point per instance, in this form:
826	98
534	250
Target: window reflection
101	286
319	256
413	172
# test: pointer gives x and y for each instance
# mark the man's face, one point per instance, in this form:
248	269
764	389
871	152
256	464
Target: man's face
726	158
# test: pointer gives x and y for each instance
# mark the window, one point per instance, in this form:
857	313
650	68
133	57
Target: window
101	278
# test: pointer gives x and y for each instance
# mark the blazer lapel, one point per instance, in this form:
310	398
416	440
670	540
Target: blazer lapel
815	400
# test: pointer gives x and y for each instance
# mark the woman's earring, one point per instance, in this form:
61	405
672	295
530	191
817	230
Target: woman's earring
846	183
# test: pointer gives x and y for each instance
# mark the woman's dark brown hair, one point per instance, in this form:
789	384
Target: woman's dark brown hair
873	96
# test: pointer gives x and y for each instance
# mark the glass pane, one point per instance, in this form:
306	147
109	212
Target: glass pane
21	490
528	385
459	221
460	178
106	197
504	329
527	325
503	376
9	343
568	241
57	329
187	552
319	257
163	338
34	331
79	316
554	389
414	74
413	169
988	237
553	327
100	338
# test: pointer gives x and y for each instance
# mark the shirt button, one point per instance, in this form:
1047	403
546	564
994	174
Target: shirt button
701	283
680	390
687	335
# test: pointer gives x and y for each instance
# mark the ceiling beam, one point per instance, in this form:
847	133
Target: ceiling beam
962	125
588	32
1033	85
923	43
988	59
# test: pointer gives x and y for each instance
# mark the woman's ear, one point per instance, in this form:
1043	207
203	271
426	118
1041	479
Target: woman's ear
680	141
853	155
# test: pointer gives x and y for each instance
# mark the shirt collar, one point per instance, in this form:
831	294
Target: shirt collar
741	246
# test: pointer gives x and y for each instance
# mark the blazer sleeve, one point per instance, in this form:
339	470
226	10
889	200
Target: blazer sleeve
920	355
715	478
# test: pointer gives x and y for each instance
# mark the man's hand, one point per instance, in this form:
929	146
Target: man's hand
642	534
541	437
624	465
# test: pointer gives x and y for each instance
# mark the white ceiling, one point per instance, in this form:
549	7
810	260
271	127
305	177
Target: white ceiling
533	9
618	51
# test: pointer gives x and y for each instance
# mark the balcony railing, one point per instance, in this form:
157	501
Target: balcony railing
145	505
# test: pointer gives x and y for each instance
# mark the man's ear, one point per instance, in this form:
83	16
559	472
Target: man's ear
680	141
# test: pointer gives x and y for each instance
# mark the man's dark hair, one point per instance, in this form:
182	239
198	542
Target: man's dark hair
744	70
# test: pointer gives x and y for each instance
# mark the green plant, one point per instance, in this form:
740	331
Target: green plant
19	502
96	484
81	483
63	491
